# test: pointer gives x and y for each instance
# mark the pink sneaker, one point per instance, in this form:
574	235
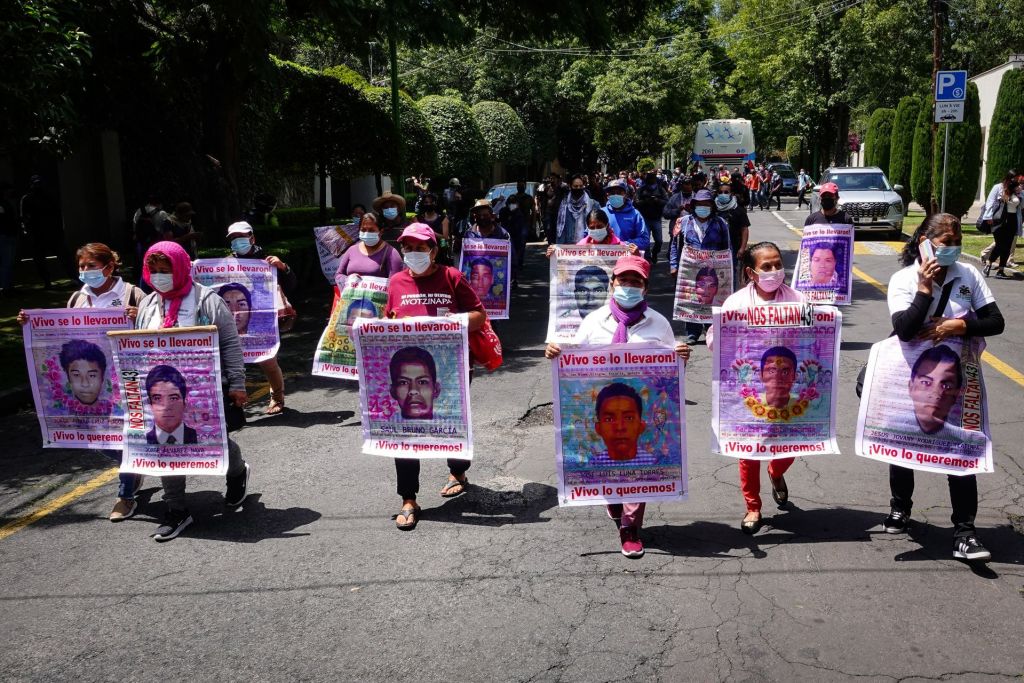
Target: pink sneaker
632	547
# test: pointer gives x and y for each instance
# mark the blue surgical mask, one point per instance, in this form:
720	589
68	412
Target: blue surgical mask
702	211
947	256
418	261
628	297
598	234
616	201
162	282
370	239
391	213
93	278
240	245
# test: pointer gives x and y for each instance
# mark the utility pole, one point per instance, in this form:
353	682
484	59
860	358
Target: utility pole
938	19
397	180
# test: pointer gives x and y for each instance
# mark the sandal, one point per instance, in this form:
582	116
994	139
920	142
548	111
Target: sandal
780	492
447	492
276	406
411	518
752	527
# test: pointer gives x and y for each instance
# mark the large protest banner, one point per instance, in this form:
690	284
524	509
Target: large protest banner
249	288
487	266
580	279
924	407
173	401
704	280
70	367
773	389
619	424
824	264
331	242
361	297
414	387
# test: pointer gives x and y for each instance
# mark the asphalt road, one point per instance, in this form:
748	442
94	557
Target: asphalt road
311	581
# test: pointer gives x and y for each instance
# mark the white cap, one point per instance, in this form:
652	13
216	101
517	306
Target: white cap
239	228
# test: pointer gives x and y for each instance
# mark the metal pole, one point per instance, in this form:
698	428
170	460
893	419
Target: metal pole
945	163
397	181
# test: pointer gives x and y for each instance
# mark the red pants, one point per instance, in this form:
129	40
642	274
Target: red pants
631	514
750	479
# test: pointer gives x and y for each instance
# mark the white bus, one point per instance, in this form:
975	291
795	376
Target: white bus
724	141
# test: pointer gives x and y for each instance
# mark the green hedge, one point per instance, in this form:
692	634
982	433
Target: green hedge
307	215
876	143
921	168
901	143
794	151
964	157
1006	132
462	151
504	133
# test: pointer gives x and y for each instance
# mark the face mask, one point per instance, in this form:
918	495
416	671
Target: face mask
240	245
577	193
418	261
162	282
828	203
702	211
770	281
93	278
616	201
723	200
628	297
370	239
598	234
947	256
391	213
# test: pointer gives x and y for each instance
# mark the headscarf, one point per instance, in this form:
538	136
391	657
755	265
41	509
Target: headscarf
181	272
625	319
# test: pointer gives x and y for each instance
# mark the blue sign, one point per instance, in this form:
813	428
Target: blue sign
951	86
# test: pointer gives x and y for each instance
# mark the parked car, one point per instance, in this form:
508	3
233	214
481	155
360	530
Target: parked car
789	179
865	194
502	191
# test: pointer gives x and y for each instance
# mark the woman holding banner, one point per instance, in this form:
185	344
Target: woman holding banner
102	288
935	297
177	301
765	274
626	319
371	256
599	232
426	288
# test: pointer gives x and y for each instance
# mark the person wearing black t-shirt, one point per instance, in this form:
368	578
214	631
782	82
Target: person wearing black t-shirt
828	197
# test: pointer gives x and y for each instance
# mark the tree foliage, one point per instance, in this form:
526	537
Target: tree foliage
901	142
503	132
879	135
921	159
794	149
962	174
1006	132
462	151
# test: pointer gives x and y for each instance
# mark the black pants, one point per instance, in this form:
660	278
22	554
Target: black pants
408	471
963	495
1005	235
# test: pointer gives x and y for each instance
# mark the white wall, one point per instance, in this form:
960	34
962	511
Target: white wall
988	90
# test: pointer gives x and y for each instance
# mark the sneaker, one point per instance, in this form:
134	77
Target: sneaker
897	522
971	549
124	508
237	488
173	523
632	547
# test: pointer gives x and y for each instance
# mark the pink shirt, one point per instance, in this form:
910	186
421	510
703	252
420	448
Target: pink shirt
747	297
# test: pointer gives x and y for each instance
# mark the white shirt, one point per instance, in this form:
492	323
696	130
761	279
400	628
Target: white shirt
178	434
969	293
599	328
115	297
186	314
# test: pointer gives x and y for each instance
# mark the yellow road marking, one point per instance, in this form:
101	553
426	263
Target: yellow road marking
57	503
870	280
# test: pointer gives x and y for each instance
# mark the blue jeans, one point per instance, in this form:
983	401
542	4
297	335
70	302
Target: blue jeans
695	330
128	484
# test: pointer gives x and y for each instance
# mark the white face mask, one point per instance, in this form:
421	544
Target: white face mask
370	239
418	261
771	280
598	234
162	282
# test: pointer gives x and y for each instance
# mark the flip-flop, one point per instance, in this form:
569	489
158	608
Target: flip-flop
446	491
751	528
411	518
780	492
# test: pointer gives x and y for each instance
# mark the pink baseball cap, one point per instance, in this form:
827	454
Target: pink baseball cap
829	188
632	264
420	232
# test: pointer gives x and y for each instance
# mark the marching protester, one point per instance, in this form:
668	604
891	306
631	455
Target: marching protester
678	203
516	217
570	217
177	301
627	223
735	216
390	210
703	229
371	256
765	275
425	288
429	214
147	227
803	186
775	190
651	200
598	232
828	197
178	228
1002	212
103	288
626	319
243	246
933	297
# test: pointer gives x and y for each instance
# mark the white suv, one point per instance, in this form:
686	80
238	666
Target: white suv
866	195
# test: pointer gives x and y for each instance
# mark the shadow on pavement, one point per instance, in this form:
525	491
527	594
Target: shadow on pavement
295	418
481	506
1005	544
251	523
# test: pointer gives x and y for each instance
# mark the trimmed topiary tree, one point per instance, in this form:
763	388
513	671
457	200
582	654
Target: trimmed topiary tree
645	164
794	150
504	133
461	149
921	164
419	149
876	146
964	157
901	143
1006	132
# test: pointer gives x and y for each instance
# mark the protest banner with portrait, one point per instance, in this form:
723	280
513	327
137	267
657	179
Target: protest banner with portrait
580	281
173	401
619	424
773	389
824	264
71	370
249	288
331	242
486	263
414	387
924	406
704	280
361	297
